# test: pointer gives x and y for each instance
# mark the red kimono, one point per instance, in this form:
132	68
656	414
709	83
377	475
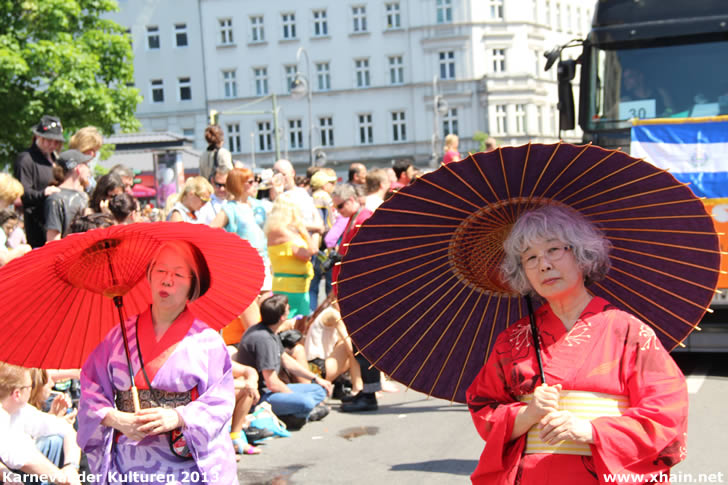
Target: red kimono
606	351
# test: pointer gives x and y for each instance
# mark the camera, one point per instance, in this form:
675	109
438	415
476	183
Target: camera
334	257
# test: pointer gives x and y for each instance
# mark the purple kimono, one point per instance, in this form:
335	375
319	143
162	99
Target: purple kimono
199	360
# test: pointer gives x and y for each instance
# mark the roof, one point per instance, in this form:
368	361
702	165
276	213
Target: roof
145	137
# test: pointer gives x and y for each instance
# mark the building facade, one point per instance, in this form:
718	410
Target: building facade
388	79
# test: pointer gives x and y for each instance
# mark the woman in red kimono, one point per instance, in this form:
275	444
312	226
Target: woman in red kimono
614	406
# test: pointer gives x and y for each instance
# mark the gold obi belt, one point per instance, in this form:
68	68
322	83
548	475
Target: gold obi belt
582	404
152	398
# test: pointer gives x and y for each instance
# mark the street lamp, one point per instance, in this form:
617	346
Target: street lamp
439	108
300	87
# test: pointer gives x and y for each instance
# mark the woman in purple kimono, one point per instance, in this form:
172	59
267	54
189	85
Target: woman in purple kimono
185	379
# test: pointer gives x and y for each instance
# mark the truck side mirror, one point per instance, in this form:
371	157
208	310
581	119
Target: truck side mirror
565	73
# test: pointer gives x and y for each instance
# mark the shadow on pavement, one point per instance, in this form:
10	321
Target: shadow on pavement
449	466
276	476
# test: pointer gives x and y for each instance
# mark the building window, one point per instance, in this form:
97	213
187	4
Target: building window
547	13
152	37
185	89
520	119
396	70
188	133
359	16
496	9
233	137
569	28
265	136
499	60
180	34
289	25
157	86
557	23
326	126
450	122
230	84
447	65
290	71
261	81
399	128
361	68
226	31
257	31
320	24
393	16
540	120
500	119
444	11
295	134
323	76
366	129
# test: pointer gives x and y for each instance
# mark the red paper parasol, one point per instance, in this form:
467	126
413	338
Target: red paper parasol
419	288
57	300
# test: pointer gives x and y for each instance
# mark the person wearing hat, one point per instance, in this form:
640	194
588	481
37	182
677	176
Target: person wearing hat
61	207
34	169
322	184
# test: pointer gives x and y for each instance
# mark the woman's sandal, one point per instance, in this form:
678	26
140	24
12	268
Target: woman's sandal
243	448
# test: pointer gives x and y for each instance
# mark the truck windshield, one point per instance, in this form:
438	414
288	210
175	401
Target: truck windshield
674	81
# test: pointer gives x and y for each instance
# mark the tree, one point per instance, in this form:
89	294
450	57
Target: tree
59	57
481	138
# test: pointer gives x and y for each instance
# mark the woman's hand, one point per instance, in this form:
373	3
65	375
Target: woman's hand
158	420
125	423
60	405
545	400
558	426
71	417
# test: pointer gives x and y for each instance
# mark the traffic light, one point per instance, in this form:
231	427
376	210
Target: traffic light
213	116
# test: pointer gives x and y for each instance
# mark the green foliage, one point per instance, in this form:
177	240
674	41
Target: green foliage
59	57
481	138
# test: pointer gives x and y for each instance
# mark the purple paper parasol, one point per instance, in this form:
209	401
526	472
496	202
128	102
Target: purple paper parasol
420	290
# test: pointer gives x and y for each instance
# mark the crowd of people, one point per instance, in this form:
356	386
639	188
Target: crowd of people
285	353
208	396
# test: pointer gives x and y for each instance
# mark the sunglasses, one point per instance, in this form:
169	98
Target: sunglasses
203	199
341	206
219	185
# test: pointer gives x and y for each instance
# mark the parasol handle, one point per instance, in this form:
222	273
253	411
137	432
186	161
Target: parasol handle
536	343
135	397
118	301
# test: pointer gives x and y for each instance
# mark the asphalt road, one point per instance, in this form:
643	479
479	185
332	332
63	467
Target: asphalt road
416	440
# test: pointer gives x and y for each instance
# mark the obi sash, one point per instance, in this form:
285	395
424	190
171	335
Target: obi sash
582	404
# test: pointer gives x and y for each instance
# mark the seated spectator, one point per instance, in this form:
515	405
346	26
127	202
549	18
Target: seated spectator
329	350
10	190
246	395
23	427
42	392
261	348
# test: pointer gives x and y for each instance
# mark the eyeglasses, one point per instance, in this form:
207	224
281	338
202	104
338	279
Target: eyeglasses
552	254
203	199
341	206
176	275
218	185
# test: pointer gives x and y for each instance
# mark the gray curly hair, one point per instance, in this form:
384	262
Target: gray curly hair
589	246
